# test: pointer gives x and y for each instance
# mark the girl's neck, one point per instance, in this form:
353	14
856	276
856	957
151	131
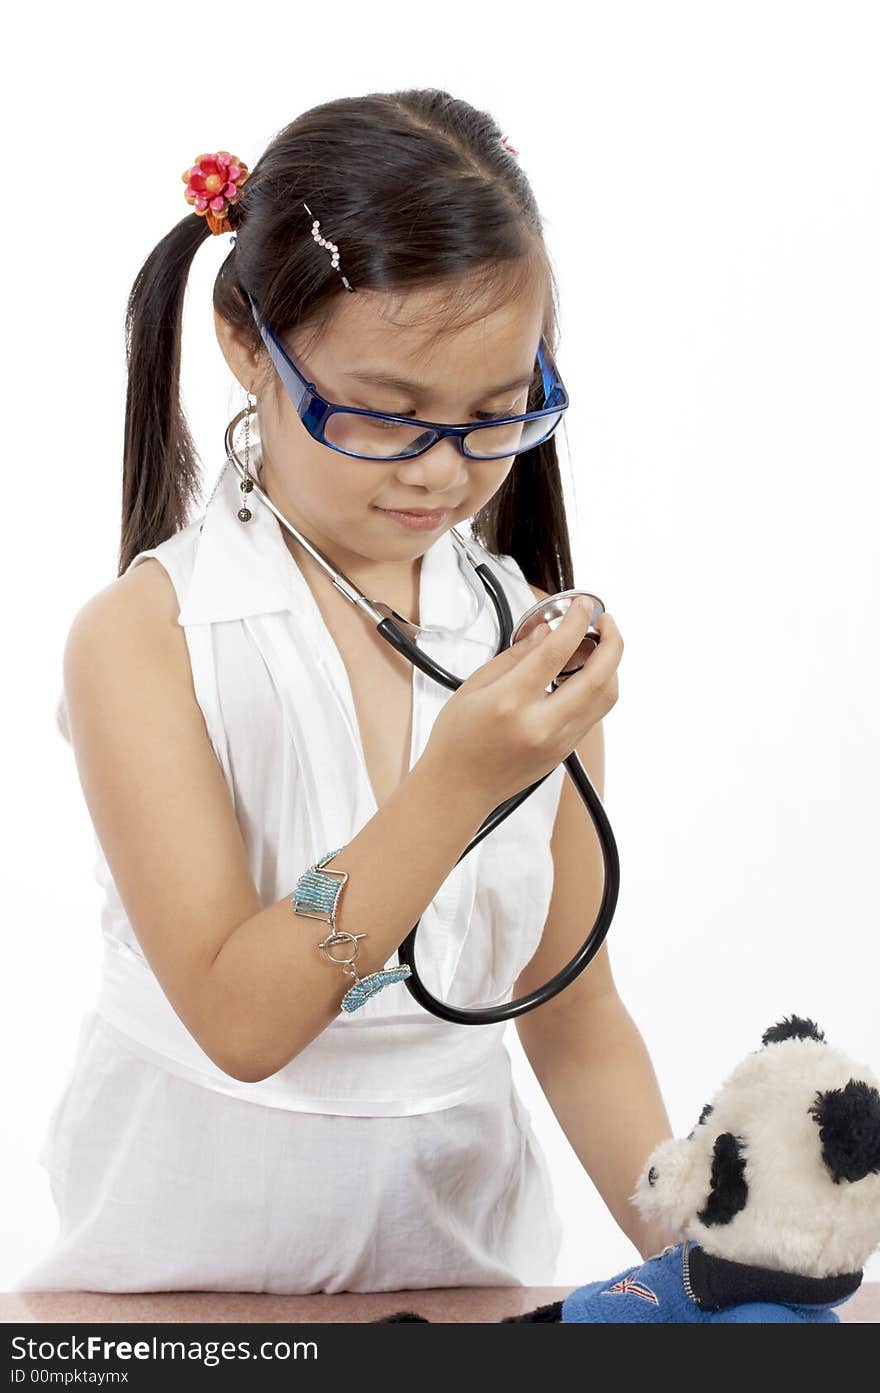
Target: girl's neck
394	583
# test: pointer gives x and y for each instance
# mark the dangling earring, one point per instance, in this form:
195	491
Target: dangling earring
246	485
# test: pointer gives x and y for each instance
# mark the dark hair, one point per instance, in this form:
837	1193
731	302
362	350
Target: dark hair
418	189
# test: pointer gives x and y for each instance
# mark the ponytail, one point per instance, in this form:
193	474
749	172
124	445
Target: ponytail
160	468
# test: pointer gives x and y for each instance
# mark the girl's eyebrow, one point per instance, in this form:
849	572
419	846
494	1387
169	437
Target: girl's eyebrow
379	378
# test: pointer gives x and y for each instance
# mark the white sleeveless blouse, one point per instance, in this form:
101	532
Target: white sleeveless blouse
393	1152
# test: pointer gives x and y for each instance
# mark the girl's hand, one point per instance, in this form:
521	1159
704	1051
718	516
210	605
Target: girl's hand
501	730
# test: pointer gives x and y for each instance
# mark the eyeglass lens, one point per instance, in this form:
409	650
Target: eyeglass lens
378	439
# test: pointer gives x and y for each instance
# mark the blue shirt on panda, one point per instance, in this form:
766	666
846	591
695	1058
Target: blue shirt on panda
684	1284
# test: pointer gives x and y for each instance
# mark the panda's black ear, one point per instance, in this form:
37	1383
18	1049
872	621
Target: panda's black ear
707	1112
729	1188
796	1028
849	1127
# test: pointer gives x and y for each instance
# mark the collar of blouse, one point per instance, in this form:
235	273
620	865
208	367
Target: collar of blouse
244	569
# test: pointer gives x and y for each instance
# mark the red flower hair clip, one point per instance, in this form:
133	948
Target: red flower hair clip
506	143
212	185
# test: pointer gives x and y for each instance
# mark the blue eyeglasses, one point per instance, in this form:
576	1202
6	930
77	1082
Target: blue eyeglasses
377	435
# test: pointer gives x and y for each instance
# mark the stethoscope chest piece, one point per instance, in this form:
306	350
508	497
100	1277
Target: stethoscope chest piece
551	611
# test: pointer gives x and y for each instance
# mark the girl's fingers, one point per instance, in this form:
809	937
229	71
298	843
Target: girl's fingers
546	655
597	672
533	662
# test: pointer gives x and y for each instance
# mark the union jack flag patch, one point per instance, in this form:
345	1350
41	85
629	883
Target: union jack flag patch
627	1284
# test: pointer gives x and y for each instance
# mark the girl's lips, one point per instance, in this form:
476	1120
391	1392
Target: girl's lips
416	512
421	520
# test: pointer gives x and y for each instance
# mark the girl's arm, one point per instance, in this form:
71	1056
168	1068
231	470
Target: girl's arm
598	1077
248	982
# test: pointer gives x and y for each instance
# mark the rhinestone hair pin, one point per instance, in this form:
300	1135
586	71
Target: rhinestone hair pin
331	247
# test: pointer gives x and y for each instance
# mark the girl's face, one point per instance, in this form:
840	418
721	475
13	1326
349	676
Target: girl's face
337	501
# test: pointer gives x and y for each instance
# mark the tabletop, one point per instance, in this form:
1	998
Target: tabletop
439	1304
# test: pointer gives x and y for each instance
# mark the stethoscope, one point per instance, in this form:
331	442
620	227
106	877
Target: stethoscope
401	634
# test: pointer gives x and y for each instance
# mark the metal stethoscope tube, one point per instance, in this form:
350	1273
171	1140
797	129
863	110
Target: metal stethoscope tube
393	628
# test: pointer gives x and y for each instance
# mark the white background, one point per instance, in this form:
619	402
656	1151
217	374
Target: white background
709	177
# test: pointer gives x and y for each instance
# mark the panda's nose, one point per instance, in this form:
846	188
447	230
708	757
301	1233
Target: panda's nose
652	1176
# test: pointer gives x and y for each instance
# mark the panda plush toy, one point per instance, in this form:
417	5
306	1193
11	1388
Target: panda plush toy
775	1194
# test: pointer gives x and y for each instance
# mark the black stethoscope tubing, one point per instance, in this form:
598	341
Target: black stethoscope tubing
393	633
566	975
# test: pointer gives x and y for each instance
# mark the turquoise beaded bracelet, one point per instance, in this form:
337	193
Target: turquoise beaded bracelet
316	896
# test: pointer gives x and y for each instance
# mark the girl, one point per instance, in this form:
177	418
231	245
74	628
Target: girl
234	721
